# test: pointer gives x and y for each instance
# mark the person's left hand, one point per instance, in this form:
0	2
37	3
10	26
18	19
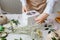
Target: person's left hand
41	18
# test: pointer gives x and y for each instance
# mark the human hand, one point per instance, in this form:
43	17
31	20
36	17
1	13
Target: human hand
24	9
41	18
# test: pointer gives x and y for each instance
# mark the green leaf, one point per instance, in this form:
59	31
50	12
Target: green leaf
52	29
32	39
20	38
54	38
3	39
49	32
15	39
47	29
49	25
15	21
1	28
45	25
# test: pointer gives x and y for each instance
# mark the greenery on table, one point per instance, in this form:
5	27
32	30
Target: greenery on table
20	38
32	39
1	31
15	39
15	21
3	39
51	30
1	28
54	38
48	27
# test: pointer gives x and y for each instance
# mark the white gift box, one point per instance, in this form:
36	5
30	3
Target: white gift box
29	18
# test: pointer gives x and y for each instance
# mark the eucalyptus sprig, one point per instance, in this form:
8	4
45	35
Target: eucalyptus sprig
1	28
53	38
15	21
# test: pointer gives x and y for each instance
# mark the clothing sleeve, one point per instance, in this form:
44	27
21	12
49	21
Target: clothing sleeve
49	7
23	2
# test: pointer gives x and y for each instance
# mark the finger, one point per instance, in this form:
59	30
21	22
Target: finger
25	10
22	10
43	21
40	21
37	19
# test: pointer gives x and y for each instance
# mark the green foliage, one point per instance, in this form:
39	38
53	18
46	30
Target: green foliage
54	38
32	39
20	38
15	21
15	39
1	28
47	29
3	39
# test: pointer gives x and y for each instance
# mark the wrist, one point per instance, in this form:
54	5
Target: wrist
45	15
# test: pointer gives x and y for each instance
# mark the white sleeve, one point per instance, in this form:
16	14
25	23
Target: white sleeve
49	7
23	2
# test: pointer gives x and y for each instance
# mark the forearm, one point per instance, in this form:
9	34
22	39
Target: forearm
49	7
45	15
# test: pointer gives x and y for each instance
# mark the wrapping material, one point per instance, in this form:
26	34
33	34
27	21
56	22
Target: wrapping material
29	18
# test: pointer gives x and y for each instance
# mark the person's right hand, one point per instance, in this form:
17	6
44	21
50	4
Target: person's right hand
24	9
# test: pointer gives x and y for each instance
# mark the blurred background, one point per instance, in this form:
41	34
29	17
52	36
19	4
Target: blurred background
14	6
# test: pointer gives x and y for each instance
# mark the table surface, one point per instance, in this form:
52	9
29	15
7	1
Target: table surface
51	17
